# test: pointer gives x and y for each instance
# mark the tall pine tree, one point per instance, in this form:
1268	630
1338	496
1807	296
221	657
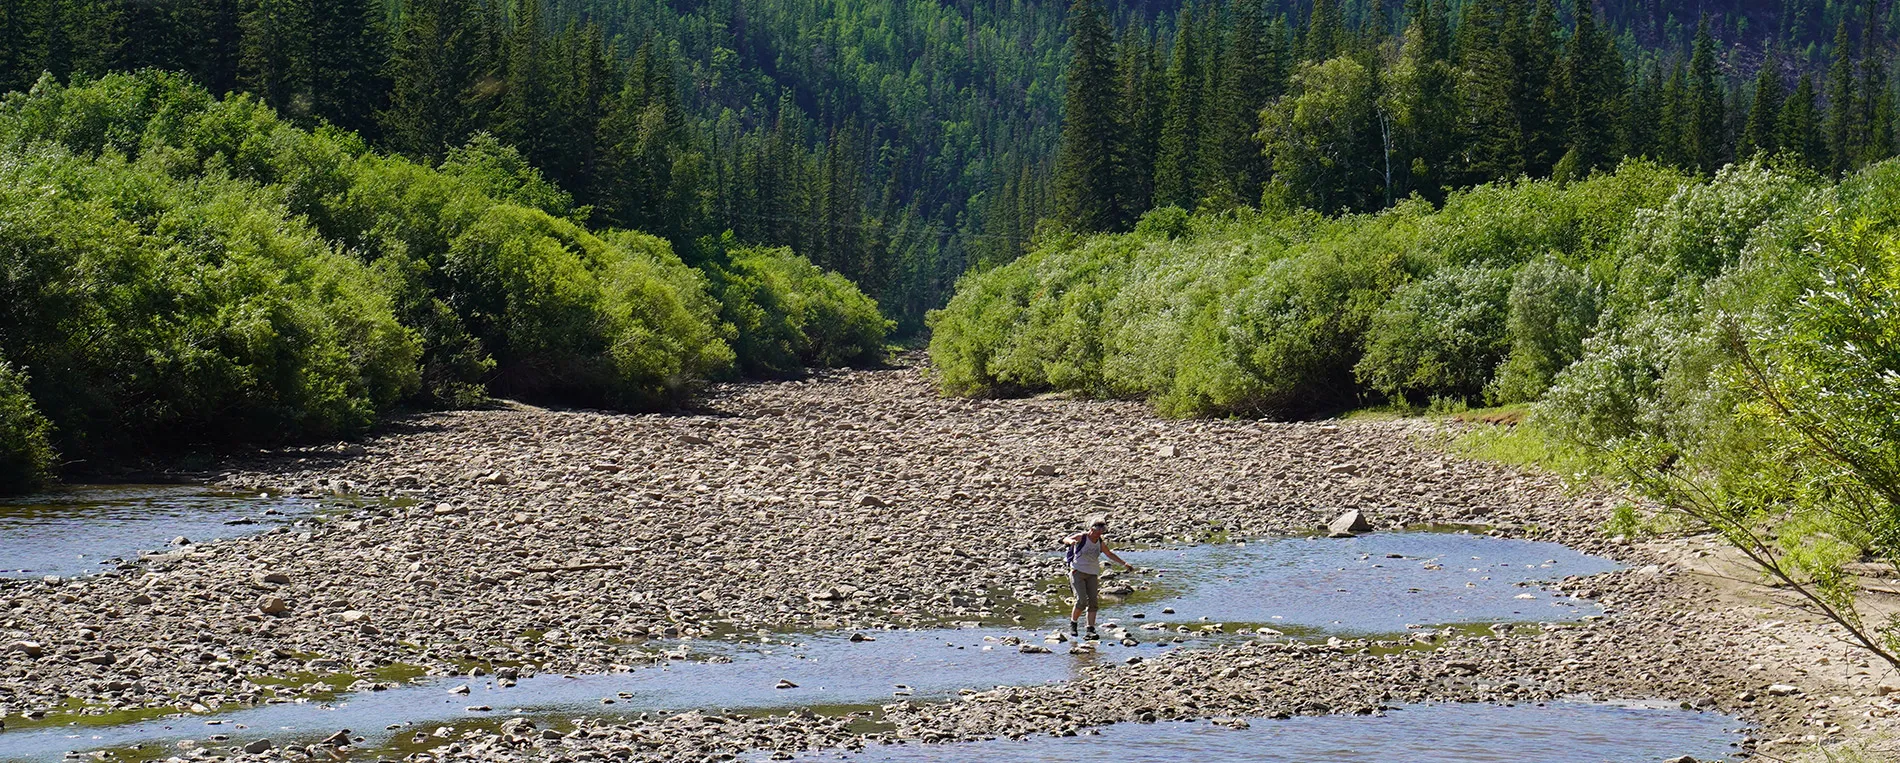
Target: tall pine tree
1486	89
1798	129
1704	138
1592	92
1841	108
1181	130
349	44
276	62
436	65
1086	169
1758	132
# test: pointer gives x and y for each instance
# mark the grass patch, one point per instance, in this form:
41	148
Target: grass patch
1524	445
1508	415
1388	412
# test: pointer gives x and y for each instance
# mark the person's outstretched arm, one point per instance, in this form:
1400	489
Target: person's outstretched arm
1117	559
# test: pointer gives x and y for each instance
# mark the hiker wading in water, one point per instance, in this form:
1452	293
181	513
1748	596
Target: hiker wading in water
1084	552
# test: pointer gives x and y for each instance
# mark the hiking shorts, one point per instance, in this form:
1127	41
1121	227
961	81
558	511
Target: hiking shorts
1087	588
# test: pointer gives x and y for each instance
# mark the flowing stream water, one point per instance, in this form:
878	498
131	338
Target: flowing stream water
88	529
1383	583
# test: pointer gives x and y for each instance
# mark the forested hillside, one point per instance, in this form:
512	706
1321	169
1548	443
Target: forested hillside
901	142
893	141
1360	113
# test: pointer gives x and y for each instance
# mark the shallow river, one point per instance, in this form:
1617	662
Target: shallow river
81	530
1380	583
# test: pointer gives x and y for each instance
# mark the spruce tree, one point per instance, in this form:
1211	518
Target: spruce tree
1487	84
1677	121
80	36
1841	108
1419	90
1704	139
1322	34
349	44
1759	133
1181	130
1592	89
276	59
215	44
1144	93
1234	168
583	84
1087	171
1876	98
435	66
1798	130
650	175
1642	116
147	34
23	26
1533	42
522	118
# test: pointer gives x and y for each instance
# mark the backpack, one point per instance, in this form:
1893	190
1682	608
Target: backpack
1072	550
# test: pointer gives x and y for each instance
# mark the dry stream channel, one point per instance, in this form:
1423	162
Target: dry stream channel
1402	587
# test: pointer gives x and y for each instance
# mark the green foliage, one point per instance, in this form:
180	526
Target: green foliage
1261	312
1528	446
1744	374
1552	309
26	456
1322	138
156	310
500	172
570	317
1441	335
788	314
182	269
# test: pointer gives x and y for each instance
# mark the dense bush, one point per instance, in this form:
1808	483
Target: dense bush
1552	308
786	314
1444	333
181	268
26	456
1254	312
150	309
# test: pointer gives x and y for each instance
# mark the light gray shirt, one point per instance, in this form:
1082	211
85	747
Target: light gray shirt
1088	556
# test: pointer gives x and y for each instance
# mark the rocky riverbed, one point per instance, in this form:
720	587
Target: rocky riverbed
519	540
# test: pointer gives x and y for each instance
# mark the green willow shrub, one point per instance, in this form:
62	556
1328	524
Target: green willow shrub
157	310
1552	308
986	340
502	173
1439	336
787	314
556	306
482	258
1652	371
1832	381
26	454
179	268
1248	312
1508	224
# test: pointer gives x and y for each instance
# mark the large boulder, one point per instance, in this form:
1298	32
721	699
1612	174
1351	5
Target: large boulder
1349	524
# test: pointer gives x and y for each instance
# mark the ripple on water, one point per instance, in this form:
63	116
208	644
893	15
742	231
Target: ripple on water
1560	732
1376	583
72	531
